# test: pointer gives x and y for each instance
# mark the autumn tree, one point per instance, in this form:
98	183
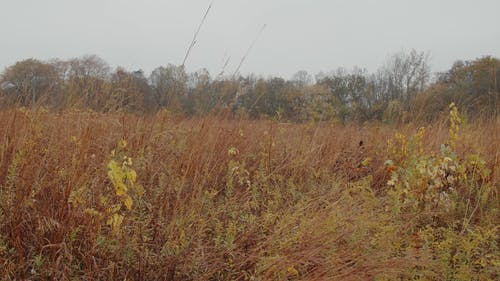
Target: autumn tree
130	91
169	86
473	85
87	80
27	81
199	95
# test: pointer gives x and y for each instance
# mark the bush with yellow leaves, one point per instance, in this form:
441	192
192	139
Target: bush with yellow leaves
449	201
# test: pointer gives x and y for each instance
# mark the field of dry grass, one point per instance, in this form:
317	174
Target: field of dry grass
123	197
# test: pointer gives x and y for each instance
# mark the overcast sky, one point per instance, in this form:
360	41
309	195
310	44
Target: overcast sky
311	35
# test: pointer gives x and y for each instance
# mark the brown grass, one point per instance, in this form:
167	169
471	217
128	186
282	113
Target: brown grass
292	202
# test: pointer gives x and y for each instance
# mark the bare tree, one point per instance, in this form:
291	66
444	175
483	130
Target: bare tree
403	76
302	78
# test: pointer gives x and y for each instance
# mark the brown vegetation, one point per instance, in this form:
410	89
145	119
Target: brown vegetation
403	89
218	198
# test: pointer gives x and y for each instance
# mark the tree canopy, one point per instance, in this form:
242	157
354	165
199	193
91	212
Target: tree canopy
404	86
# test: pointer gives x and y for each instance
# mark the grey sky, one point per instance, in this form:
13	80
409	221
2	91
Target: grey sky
312	35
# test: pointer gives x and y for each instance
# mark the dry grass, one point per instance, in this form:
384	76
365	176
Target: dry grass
224	199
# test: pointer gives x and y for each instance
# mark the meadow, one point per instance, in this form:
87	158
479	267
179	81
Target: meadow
123	196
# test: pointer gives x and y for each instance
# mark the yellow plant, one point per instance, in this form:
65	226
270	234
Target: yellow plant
455	123
123	179
421	181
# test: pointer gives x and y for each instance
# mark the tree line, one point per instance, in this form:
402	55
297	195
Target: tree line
402	89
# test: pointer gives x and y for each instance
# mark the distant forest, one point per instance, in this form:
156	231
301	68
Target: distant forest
403	89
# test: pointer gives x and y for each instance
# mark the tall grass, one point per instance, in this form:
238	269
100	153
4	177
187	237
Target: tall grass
234	199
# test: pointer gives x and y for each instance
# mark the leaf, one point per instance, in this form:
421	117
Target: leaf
132	176
115	221
120	188
292	271
127	201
